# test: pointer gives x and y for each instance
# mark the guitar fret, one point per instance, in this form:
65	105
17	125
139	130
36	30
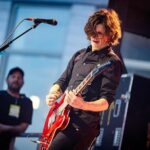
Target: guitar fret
82	85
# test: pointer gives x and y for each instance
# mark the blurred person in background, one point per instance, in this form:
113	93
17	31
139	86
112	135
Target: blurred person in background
15	109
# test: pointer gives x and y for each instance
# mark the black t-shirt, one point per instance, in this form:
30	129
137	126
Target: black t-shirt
13	111
8	103
103	86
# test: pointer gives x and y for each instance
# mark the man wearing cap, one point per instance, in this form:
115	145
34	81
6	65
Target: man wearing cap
15	109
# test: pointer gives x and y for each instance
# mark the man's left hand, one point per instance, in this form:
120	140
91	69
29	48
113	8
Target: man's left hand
73	100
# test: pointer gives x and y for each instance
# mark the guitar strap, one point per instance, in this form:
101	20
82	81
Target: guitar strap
81	53
102	59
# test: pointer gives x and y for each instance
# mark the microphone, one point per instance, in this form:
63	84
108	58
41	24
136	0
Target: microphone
38	20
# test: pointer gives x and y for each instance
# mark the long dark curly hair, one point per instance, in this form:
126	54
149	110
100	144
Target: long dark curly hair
109	18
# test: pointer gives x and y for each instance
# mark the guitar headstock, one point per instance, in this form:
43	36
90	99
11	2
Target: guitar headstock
102	67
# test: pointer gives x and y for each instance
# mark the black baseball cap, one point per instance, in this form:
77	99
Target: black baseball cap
15	69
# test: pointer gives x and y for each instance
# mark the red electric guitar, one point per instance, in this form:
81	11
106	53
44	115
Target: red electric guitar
58	116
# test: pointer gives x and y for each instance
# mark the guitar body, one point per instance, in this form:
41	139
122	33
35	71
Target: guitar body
50	130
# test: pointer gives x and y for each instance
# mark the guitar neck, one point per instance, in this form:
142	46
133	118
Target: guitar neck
83	84
88	79
78	90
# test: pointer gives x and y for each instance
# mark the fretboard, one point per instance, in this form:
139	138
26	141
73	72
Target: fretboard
83	84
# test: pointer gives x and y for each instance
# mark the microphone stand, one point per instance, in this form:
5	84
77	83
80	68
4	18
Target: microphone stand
8	44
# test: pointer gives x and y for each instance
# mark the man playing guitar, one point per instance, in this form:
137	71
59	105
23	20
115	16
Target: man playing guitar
103	31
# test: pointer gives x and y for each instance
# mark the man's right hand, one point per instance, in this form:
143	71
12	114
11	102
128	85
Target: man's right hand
51	99
54	93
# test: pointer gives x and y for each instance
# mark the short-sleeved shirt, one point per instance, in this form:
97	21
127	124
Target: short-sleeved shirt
7	102
13	111
103	86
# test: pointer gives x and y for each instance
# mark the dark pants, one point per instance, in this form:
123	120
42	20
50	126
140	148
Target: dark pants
5	142
73	138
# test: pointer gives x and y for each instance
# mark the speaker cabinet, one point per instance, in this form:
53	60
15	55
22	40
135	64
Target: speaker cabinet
124	124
